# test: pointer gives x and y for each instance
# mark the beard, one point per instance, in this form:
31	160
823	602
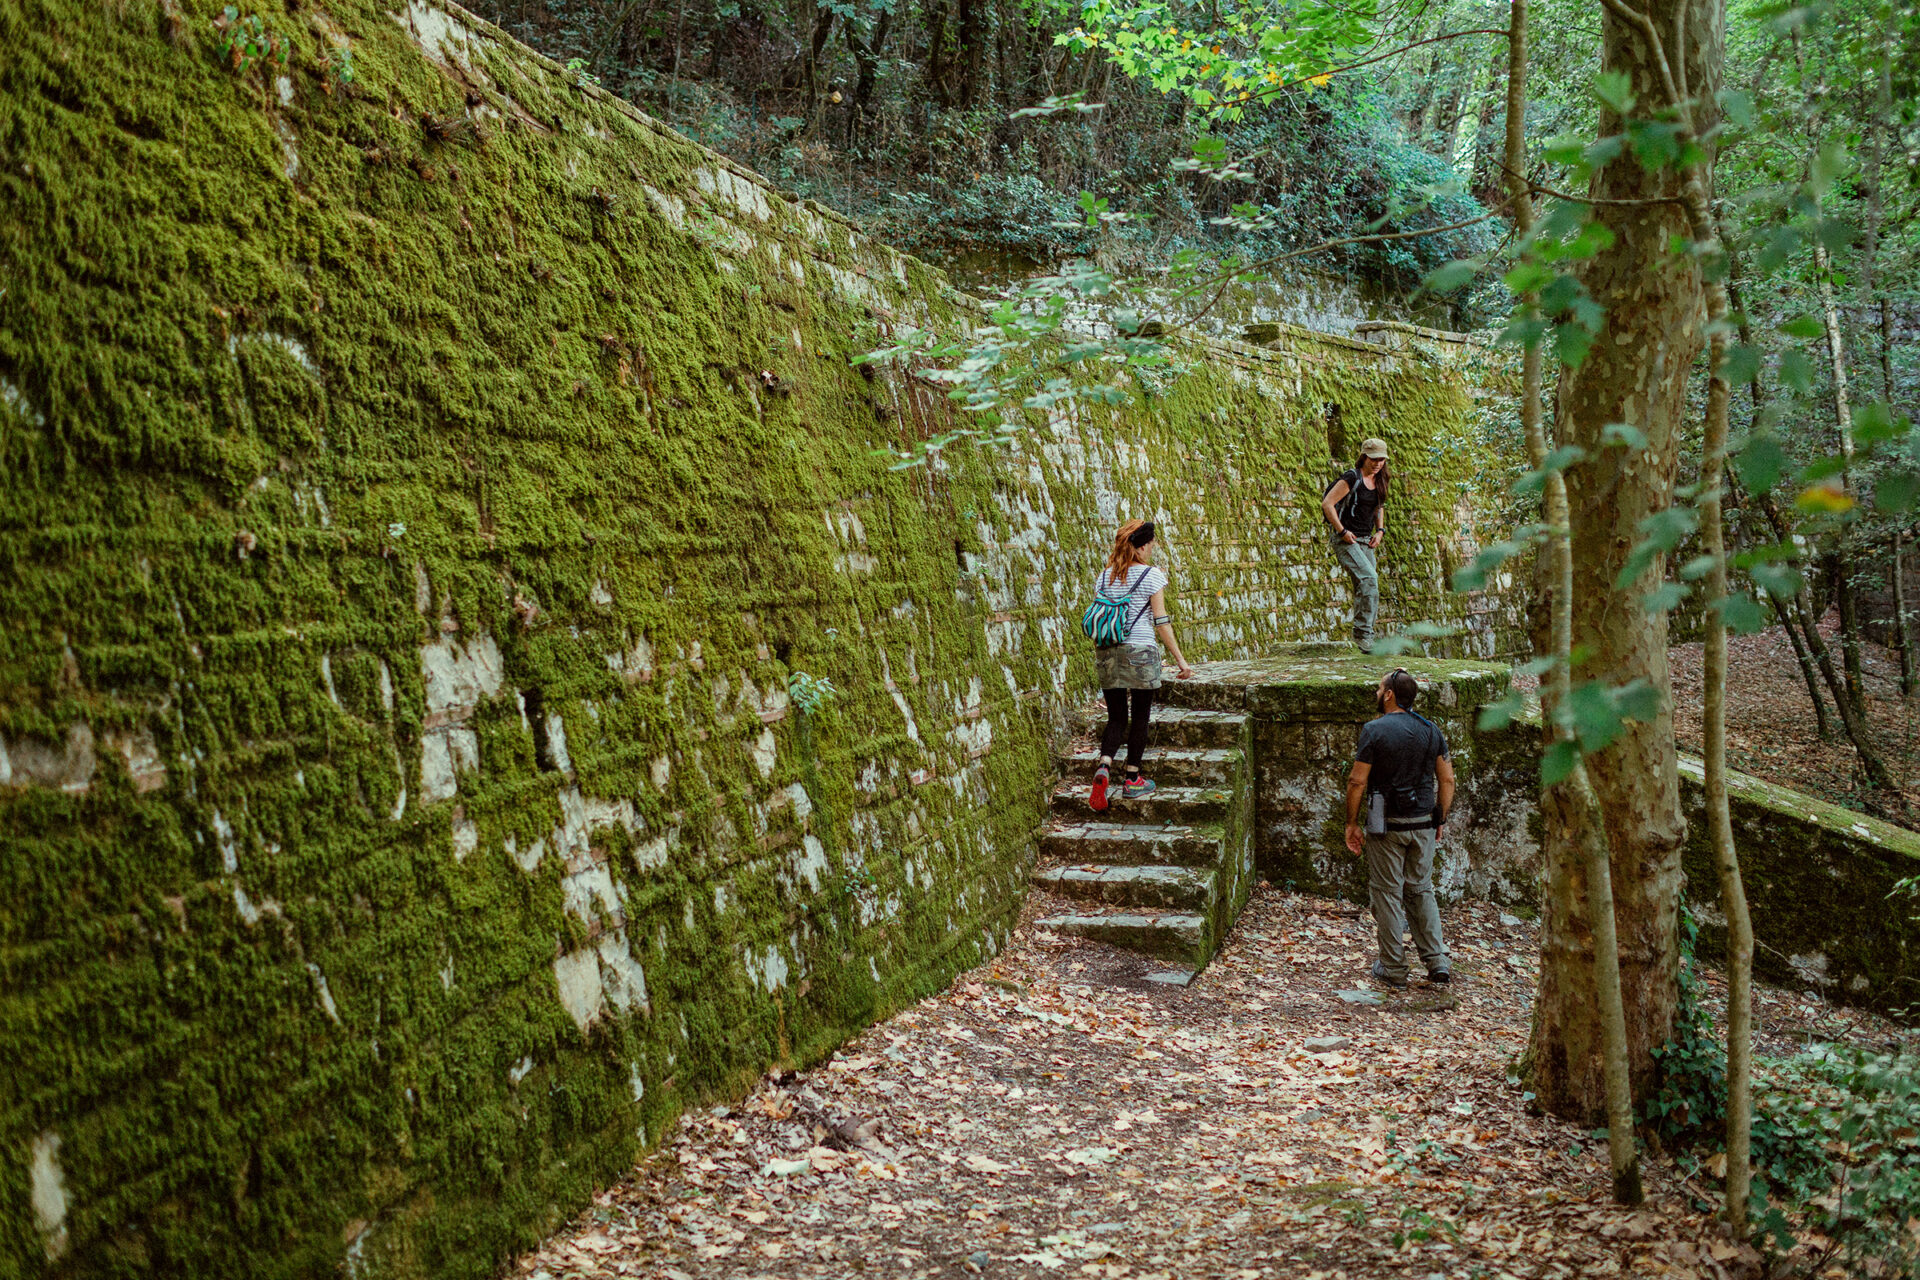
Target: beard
1380	701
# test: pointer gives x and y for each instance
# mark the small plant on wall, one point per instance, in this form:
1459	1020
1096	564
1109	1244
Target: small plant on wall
249	42
812	694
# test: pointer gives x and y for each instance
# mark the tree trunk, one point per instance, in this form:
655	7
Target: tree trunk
1575	794
1726	861
1843	427
1902	633
1636	372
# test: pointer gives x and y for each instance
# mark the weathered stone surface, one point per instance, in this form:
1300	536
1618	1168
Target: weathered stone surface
1168	935
1326	1044
1164	888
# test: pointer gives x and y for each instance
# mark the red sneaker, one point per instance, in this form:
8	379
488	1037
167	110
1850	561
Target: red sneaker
1099	797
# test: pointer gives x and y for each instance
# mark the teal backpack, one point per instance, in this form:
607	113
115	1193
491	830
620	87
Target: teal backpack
1106	621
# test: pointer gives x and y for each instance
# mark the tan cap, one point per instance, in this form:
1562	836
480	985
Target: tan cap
1373	447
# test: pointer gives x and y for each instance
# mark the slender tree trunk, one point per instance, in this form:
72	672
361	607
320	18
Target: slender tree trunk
1902	632
1726	862
1873	197
1843	426
1588	834
1805	659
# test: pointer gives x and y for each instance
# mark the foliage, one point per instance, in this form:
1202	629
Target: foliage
812	694
248	42
1834	1132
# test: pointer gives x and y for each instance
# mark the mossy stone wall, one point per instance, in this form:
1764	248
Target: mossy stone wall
417	494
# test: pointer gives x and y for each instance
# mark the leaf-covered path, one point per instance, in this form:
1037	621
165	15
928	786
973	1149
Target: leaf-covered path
1059	1113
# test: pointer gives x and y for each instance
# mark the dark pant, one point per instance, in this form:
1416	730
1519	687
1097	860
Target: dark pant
1119	726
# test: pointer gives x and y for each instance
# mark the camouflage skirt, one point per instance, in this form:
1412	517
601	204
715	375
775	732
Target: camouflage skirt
1128	666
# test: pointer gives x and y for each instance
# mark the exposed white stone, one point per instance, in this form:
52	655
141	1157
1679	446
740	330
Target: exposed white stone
68	767
458	677
557	743
323	991
625	982
592	884
466	836
223	836
651	854
767	967
662	772
520	1070
577	975
436	768
802	802
48	1193
244	905
810	864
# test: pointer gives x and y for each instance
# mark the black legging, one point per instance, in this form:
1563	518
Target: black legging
1119	727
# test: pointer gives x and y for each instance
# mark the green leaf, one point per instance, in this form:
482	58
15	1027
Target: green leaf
1796	372
1896	491
1741	364
1759	464
1667	595
1556	765
1498	715
1451	276
1528	277
1782	580
1803	327
1742	614
1639	701
1737	106
1571	343
1656	144
1620	435
1696	568
1780	247
1615	90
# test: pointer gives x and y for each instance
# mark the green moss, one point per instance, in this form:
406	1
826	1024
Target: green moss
295	392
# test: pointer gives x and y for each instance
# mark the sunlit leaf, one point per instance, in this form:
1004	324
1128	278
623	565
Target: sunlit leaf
1498	715
1896	491
1802	327
1740	364
1615	90
1827	496
1451	276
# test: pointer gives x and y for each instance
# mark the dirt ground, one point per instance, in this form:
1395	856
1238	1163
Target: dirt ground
1771	731
1058	1113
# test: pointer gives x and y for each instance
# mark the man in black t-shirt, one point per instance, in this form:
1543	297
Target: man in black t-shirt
1401	787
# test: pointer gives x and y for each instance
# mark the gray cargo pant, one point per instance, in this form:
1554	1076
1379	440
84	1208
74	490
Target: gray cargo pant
1400	885
1357	558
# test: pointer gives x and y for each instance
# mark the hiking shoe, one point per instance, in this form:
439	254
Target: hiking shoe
1098	800
1444	978
1381	976
1363	643
1136	787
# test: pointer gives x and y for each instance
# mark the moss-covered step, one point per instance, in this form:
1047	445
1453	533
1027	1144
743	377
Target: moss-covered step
1122	844
1167	888
1167	766
1165	935
1173	726
1186	806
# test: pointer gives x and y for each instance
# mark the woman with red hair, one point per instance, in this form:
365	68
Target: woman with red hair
1130	670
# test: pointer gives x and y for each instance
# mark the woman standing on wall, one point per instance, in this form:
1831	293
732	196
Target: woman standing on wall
1130	670
1356	506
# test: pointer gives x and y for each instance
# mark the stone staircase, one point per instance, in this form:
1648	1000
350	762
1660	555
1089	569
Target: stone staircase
1168	874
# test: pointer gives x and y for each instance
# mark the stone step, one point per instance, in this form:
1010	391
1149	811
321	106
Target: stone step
1173	767
1110	843
1188	806
1178	727
1149	888
1167	935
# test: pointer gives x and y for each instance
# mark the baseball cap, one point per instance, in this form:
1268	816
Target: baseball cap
1373	447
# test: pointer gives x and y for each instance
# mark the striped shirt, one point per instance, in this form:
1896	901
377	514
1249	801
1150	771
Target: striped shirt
1139	612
